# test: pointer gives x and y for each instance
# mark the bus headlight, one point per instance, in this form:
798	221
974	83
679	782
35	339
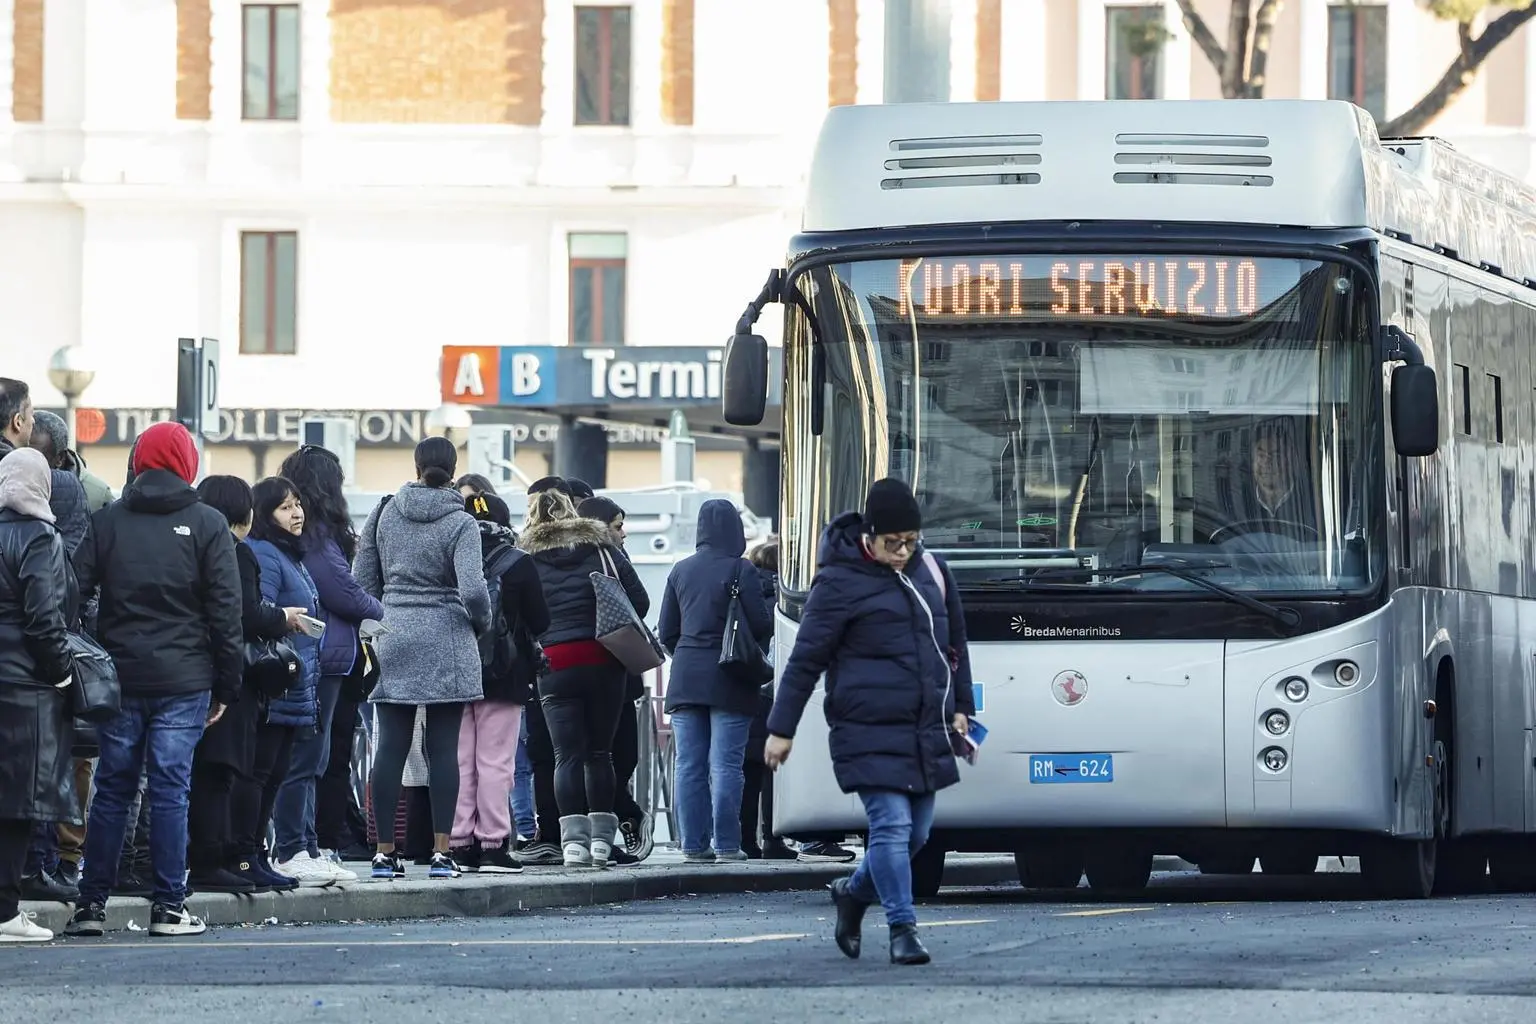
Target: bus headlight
1274	759
1296	689
1277	722
1346	673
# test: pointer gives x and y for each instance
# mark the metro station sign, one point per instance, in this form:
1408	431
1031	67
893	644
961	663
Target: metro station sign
550	376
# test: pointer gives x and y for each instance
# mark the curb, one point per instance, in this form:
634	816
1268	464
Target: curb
506	895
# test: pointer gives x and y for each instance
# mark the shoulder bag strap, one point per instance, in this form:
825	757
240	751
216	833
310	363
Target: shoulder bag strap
608	567
937	574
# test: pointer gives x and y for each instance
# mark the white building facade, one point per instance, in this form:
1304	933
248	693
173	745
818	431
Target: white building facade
338	190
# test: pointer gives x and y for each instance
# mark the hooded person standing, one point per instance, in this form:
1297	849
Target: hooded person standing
420	555
170	616
711	705
884	625
35	599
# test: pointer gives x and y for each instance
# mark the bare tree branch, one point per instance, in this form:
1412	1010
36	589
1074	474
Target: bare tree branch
1201	33
1460	74
1263	35
1234	75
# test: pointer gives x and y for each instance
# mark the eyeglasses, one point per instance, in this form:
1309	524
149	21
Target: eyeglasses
896	545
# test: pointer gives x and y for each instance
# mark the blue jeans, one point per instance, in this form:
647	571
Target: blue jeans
293	816
523	815
710	746
898	827
162	733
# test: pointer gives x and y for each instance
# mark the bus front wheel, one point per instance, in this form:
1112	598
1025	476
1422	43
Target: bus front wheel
1118	871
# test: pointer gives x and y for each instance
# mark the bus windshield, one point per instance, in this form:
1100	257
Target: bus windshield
1057	414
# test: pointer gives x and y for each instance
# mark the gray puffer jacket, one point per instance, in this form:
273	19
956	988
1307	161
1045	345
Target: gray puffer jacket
420	556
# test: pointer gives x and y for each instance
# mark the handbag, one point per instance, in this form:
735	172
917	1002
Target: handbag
360	683
94	692
740	653
619	628
271	667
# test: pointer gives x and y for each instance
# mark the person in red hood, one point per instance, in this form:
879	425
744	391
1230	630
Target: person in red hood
170	616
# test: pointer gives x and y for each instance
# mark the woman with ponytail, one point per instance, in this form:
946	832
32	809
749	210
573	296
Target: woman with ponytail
420	556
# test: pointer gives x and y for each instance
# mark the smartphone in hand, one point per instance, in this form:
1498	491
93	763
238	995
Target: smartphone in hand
311	626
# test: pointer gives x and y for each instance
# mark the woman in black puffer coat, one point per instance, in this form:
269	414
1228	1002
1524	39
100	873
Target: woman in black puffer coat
884	624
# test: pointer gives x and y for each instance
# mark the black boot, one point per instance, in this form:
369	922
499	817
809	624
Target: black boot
850	919
906	948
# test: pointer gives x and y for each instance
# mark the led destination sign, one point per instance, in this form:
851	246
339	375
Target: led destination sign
990	287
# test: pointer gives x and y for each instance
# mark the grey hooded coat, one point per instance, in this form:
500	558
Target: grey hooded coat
419	554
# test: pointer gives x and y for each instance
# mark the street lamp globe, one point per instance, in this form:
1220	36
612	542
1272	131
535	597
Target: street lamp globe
450	421
70	371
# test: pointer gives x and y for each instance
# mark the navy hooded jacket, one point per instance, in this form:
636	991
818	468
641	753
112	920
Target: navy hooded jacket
694	609
882	639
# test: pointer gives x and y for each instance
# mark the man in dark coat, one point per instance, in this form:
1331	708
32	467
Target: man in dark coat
884	624
171	619
15	415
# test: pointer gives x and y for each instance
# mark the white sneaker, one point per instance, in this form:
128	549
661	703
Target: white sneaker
21	929
333	863
310	873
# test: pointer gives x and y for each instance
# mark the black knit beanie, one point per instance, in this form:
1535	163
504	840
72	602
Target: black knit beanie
891	508
604	510
549	483
579	490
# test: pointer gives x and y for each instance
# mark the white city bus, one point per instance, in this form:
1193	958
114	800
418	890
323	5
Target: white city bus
1222	414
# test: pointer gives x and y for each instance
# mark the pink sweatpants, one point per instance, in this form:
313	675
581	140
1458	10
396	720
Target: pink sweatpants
487	760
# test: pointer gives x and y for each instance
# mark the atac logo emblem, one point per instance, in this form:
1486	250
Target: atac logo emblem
1069	688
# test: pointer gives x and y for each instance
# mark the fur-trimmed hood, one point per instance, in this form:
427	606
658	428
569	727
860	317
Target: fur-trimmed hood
567	534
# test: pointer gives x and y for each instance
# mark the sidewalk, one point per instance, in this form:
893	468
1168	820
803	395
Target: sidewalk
416	896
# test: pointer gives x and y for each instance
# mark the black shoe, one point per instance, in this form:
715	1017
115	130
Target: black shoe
825	853
906	948
88	922
262	881
496	861
132	886
466	857
173	921
358	852
44	888
775	849
849	930
68	873
622	858
220	880
753	852
387	866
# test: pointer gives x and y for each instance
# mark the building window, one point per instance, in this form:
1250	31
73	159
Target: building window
1133	46
271	62
1357	56
1464	381
269	291
597	289
602	65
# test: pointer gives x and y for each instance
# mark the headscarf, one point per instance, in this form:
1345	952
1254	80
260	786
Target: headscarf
26	484
167	446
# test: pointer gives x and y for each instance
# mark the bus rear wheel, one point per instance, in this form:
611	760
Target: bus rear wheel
1118	871
928	871
1049	867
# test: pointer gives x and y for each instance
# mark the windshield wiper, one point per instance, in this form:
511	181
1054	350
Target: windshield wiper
1032	583
1287	616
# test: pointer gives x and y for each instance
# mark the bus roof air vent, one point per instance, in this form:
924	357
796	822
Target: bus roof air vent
1192	160
964	161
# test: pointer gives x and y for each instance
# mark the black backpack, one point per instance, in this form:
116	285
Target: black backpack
498	647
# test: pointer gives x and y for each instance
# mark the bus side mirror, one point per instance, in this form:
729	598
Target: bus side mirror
1415	411
745	394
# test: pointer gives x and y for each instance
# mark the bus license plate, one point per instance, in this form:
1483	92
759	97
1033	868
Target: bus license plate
1059	768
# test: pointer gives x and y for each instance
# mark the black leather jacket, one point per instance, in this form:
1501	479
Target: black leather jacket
37	594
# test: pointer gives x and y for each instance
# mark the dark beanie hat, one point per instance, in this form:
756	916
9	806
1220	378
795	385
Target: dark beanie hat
891	508
549	483
579	490
489	509
604	510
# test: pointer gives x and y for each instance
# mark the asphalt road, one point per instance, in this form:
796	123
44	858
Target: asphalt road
1195	951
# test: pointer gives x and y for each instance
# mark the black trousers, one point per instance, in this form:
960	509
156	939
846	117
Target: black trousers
397	729
755	791
626	758
210	818
339	821
581	707
541	754
253	796
134	862
15	836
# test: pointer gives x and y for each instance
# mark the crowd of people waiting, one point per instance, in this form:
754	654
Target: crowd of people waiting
249	626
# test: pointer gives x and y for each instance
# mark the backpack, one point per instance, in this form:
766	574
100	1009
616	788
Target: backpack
498	647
